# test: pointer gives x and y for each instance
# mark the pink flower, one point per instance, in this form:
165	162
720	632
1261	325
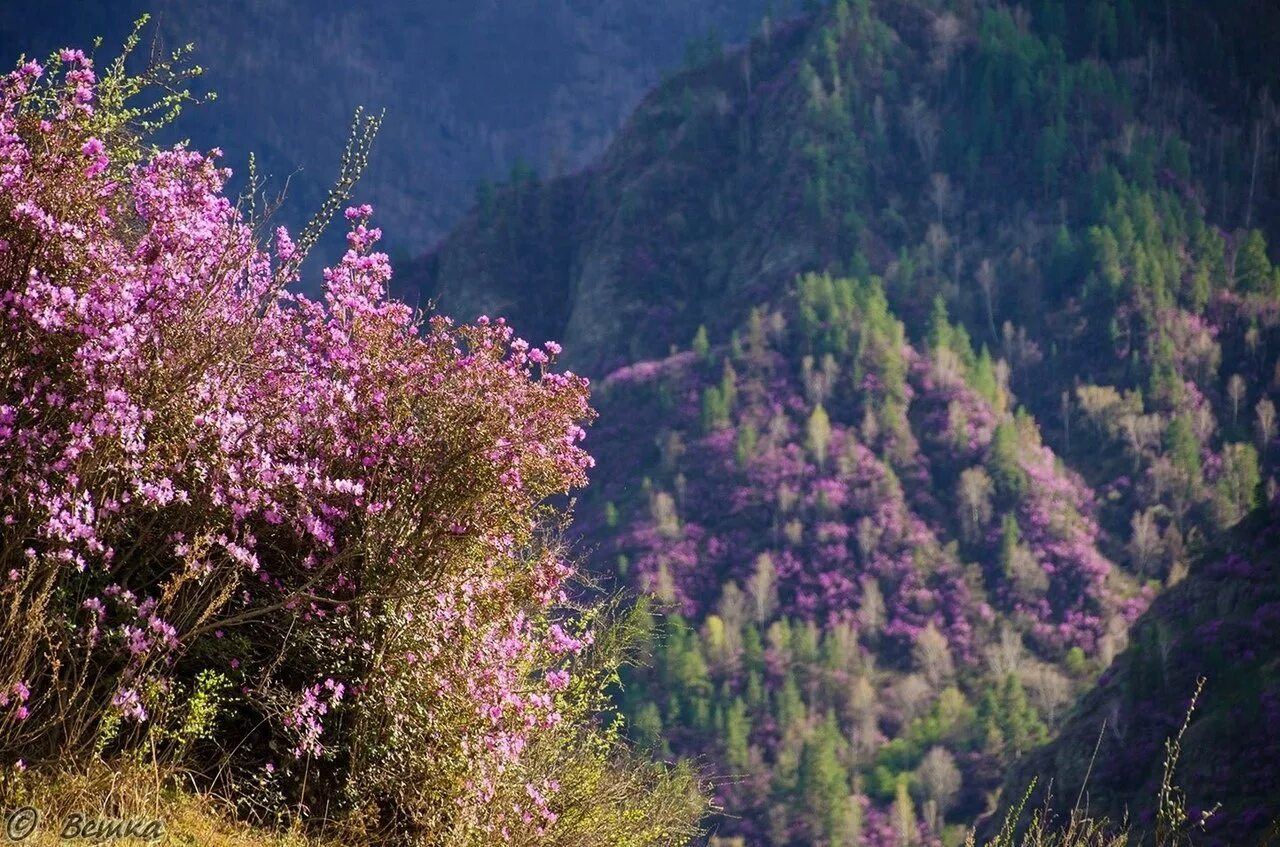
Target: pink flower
130	704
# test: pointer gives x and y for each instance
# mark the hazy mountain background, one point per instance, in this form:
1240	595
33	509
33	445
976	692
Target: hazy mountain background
469	88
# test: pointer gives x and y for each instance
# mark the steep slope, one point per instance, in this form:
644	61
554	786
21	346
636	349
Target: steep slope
932	343
909	140
881	581
627	256
1217	625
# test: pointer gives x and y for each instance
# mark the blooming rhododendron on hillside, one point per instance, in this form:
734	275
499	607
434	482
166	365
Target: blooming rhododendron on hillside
880	575
337	508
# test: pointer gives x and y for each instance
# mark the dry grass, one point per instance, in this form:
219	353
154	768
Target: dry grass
135	792
1174	824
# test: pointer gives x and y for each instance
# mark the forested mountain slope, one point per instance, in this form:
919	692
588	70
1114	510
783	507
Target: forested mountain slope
932	343
811	150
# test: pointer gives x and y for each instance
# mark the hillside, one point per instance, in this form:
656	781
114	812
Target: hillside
1216	625
932	343
873	565
787	157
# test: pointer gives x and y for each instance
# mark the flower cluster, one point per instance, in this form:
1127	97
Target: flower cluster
192	456
305	718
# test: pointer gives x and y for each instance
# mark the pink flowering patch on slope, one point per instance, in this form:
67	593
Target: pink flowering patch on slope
881	508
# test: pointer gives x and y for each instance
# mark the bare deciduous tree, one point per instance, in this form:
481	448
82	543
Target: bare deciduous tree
763	588
933	657
987	282
910	697
1264	415
1265	117
945	33
1144	542
1236	390
925	129
974	502
871	610
939	241
1028	577
1048	690
941	780
941	195
1005	655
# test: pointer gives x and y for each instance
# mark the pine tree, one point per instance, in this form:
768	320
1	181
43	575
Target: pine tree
982	379
1019	721
1107	258
1253	268
1238	483
939	337
1003	461
701	345
790	708
715	411
728	388
822	782
1062	271
1183	447
745	447
753	691
736	733
1010	539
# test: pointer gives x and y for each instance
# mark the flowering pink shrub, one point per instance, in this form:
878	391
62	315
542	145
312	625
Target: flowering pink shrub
338	505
